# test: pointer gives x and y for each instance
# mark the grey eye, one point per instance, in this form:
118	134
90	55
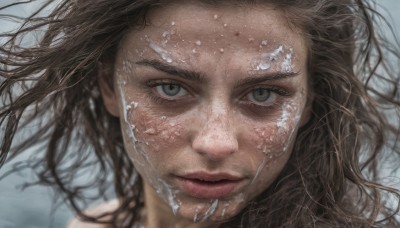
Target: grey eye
171	89
260	95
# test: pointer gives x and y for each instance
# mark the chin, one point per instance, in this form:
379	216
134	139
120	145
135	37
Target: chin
211	210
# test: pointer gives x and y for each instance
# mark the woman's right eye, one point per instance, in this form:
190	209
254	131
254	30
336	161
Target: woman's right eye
262	97
170	91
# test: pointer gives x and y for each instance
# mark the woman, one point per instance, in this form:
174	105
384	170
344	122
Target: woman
209	113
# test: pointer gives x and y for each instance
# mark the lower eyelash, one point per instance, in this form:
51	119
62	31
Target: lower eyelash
158	99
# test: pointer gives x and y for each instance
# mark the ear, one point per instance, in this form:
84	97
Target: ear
105	81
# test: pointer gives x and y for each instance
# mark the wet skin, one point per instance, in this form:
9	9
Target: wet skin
210	101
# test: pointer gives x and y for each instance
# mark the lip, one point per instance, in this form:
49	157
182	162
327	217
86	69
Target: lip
209	185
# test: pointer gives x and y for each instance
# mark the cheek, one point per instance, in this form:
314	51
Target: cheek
275	138
273	143
157	134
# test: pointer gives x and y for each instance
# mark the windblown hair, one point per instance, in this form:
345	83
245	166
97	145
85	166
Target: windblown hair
332	178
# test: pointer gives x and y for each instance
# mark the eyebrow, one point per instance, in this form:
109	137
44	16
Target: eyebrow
185	74
270	76
199	77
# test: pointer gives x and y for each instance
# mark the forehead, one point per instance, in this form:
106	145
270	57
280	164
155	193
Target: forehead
244	23
229	34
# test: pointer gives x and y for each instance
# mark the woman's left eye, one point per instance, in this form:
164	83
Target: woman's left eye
262	97
170	91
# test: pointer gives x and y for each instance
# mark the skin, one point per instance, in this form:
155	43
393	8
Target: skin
214	124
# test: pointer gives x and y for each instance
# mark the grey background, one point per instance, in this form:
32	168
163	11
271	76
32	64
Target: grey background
33	207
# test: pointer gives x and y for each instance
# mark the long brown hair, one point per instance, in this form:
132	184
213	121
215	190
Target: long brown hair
332	177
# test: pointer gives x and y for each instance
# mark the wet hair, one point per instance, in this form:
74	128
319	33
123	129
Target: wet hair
332	178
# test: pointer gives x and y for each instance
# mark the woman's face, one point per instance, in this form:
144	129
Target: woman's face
210	101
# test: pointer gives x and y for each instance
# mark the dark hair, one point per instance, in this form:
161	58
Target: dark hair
332	177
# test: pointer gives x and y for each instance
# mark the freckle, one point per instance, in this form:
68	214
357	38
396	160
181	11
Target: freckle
237	33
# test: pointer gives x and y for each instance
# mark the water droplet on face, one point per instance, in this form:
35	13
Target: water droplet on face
287	63
225	25
198	43
165	34
132	105
263	66
194	51
216	16
264	43
150	131
251	39
221	50
173	23
275	54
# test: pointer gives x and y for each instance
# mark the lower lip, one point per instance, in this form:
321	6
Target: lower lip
210	190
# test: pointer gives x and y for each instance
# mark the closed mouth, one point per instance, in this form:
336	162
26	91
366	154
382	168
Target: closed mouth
210	186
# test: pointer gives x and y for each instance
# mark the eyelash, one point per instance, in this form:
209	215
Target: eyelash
260	109
157	98
277	91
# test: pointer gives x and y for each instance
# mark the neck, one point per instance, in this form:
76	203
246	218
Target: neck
159	214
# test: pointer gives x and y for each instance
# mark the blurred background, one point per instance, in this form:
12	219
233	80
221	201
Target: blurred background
34	207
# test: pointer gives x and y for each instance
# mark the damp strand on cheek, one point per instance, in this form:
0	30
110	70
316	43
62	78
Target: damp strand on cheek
290	113
282	122
262	165
167	191
127	111
130	127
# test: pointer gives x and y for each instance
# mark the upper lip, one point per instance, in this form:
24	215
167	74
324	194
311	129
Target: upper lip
206	176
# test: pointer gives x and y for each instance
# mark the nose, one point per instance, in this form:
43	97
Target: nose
216	138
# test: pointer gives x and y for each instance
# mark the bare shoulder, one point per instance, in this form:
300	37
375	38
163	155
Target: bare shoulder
102	208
